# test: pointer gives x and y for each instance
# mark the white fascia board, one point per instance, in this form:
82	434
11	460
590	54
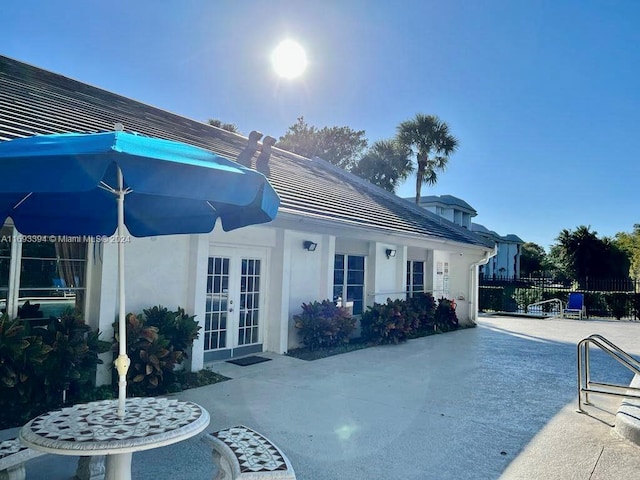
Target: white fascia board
357	231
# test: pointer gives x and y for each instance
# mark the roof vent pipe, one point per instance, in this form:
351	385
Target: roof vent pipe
262	162
247	154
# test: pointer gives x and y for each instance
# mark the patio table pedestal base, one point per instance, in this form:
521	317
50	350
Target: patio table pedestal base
118	466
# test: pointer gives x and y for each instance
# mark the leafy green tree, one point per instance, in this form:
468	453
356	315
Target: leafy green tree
532	257
341	146
229	127
555	266
630	244
430	141
385	164
582	254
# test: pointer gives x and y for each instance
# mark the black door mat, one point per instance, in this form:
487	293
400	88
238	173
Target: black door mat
243	362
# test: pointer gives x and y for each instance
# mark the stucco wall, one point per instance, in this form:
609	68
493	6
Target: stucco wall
385	273
307	275
172	271
156	273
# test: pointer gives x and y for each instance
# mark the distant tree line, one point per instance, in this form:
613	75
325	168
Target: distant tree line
579	254
229	127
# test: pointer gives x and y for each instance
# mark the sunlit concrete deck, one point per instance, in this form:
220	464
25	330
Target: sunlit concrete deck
496	401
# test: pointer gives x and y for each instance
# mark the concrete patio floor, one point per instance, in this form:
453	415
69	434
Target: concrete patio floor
496	401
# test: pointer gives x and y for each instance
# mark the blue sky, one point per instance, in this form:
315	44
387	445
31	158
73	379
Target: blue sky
543	95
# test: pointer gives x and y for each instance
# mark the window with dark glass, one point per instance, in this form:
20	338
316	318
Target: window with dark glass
348	280
41	279
52	278
415	277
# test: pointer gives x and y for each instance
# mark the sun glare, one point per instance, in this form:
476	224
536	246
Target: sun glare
289	59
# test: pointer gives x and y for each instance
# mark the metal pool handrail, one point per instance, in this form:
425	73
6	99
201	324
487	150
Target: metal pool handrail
585	385
552	300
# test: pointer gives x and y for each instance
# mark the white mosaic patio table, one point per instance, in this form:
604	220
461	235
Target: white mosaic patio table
95	429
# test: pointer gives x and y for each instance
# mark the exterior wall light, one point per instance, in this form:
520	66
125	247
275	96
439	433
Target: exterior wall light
390	252
309	245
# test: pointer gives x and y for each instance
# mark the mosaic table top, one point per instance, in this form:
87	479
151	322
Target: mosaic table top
95	428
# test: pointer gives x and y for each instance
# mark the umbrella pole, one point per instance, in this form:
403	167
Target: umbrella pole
122	362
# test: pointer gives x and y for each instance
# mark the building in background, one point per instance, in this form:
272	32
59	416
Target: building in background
452	208
506	264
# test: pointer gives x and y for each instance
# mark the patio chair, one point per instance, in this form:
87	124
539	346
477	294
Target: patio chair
575	306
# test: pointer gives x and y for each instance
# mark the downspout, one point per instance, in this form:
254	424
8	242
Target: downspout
473	279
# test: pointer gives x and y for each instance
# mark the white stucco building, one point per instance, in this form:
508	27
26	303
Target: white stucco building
452	208
335	236
506	263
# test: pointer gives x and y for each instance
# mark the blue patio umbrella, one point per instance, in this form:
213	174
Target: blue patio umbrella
66	184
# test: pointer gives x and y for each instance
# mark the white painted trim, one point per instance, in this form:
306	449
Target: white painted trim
354	230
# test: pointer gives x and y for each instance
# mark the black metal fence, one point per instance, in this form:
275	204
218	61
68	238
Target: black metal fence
605	298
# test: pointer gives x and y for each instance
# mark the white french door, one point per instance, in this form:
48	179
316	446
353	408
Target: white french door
233	319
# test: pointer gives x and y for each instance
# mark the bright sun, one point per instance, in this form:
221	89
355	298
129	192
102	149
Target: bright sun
289	59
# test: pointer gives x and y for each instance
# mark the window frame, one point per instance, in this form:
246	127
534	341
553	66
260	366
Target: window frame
359	304
14	300
410	279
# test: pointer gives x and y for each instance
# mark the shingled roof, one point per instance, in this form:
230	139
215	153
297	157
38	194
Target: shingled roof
35	101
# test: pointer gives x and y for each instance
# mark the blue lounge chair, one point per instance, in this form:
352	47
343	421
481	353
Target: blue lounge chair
575	306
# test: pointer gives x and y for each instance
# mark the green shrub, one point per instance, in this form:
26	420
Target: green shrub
445	316
595	304
180	328
491	298
399	320
323	324
636	305
386	322
618	303
38	364
71	363
423	306
157	341
21	358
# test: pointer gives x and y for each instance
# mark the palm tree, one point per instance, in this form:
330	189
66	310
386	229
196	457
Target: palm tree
385	164
431	142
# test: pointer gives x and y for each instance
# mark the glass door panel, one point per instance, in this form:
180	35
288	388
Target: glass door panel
249	311
216	315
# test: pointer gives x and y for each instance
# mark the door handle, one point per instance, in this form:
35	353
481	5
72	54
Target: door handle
230	310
